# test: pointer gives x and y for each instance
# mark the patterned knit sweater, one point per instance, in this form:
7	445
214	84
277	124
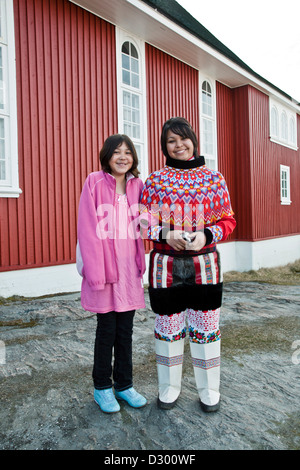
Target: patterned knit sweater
187	196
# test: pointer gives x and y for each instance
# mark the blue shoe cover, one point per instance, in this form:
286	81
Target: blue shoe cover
132	397
106	400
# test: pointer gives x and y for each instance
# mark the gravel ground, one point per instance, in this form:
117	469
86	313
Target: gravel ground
46	392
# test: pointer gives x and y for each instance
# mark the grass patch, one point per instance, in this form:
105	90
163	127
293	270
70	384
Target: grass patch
282	275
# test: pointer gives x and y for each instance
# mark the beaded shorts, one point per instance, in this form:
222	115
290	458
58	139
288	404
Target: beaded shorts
178	283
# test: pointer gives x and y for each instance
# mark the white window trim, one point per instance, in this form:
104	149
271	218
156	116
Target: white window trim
11	188
121	37
213	119
285	200
278	139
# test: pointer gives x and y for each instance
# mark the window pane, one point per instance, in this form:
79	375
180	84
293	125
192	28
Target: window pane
126	114
2	135
125	48
1	80
210	163
127	129
134	51
125	62
274	122
136	132
207	99
135	82
136	117
285	185
284	126
206	104
208	137
126	77
2	151
206	87
292	131
134	65
3	20
131	114
138	151
126	98
2	170
135	101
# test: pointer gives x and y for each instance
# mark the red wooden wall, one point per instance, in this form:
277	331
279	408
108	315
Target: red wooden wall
67	105
270	217
172	90
226	144
251	164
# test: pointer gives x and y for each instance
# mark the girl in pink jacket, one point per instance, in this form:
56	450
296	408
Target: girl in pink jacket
111	260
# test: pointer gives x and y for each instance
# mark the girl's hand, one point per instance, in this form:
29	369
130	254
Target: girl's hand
175	240
198	243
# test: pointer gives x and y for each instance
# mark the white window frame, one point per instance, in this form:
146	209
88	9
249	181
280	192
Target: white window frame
141	142
212	158
288	136
10	186
285	185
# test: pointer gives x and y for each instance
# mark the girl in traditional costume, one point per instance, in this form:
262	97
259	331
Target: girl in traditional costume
186	211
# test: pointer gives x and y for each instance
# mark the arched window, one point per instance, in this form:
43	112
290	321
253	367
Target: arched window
130	65
207	107
284	126
131	99
131	93
207	140
274	122
292	131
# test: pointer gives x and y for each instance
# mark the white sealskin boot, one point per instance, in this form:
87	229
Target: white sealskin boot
169	359
206	363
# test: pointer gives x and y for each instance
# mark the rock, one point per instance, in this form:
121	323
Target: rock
46	390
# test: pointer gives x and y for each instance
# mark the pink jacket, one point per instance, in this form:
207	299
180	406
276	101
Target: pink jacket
95	254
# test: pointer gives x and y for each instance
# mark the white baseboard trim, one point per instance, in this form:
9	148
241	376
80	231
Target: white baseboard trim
36	282
246	256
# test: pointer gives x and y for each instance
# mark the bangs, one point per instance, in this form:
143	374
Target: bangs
181	129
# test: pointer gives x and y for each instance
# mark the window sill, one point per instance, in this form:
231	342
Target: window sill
284	144
10	192
286	203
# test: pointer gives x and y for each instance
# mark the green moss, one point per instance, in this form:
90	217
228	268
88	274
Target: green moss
266	336
19	323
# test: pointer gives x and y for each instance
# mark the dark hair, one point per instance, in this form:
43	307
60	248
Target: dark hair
111	143
179	126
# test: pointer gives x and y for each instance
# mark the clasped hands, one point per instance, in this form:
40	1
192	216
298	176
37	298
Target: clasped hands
175	239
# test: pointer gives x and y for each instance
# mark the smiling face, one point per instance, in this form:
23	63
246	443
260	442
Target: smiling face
121	161
178	147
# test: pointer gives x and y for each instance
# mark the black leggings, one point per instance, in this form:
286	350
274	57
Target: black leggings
114	333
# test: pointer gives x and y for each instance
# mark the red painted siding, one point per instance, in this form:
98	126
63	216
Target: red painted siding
251	165
226	144
270	217
172	90
67	106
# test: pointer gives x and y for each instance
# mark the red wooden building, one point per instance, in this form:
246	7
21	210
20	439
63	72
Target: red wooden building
73	72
